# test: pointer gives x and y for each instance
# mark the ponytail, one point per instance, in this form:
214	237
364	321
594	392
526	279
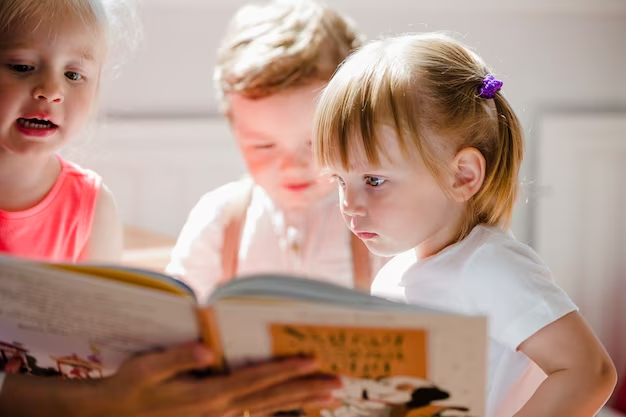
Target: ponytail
495	201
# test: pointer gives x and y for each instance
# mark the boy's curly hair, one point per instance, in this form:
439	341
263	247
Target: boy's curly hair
281	44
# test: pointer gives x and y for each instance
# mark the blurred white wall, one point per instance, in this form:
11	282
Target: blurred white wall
551	55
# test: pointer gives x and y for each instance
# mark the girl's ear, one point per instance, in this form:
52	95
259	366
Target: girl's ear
468	170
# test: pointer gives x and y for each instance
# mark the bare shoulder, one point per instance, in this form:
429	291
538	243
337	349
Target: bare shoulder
105	240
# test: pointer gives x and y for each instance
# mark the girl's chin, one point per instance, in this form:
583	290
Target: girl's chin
377	247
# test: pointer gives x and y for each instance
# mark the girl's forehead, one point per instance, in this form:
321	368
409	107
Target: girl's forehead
55	27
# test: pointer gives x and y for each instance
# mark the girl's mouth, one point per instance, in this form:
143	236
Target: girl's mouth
297	187
36	127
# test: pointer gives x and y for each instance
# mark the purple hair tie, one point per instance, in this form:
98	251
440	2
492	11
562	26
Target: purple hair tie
491	85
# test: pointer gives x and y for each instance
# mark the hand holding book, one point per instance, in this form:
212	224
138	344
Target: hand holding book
157	383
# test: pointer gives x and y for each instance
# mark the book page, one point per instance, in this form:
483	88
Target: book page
55	322
392	363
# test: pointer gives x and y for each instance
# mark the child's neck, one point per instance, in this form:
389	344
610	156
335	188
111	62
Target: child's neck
438	241
26	179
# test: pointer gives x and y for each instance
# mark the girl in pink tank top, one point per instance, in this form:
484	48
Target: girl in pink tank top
57	228
49	79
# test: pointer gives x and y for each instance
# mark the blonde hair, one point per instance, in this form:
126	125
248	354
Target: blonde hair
281	44
424	86
115	22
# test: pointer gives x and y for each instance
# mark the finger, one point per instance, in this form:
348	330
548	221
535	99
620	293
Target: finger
290	409
309	403
151	368
261	376
298	391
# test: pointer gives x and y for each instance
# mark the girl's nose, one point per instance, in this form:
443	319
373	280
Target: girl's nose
352	202
49	89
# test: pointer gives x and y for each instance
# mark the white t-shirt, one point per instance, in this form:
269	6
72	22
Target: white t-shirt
314	244
487	273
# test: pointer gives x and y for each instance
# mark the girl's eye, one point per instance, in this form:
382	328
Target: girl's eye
264	146
74	76
22	68
374	181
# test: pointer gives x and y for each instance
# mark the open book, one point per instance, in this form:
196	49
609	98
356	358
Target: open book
81	321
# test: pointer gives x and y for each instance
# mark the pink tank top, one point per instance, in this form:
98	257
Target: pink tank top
58	228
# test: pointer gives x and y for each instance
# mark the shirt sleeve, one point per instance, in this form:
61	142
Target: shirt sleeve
197	256
509	282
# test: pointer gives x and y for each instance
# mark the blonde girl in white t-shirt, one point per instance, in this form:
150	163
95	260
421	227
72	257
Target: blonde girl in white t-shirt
426	152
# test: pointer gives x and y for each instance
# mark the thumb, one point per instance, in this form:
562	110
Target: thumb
154	367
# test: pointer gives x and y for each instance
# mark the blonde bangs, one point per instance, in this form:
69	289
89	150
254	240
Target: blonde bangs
372	89
29	14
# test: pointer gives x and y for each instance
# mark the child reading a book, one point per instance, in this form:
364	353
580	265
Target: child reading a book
51	208
426	151
273	61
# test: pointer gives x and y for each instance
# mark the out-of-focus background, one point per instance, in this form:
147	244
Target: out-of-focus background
162	143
